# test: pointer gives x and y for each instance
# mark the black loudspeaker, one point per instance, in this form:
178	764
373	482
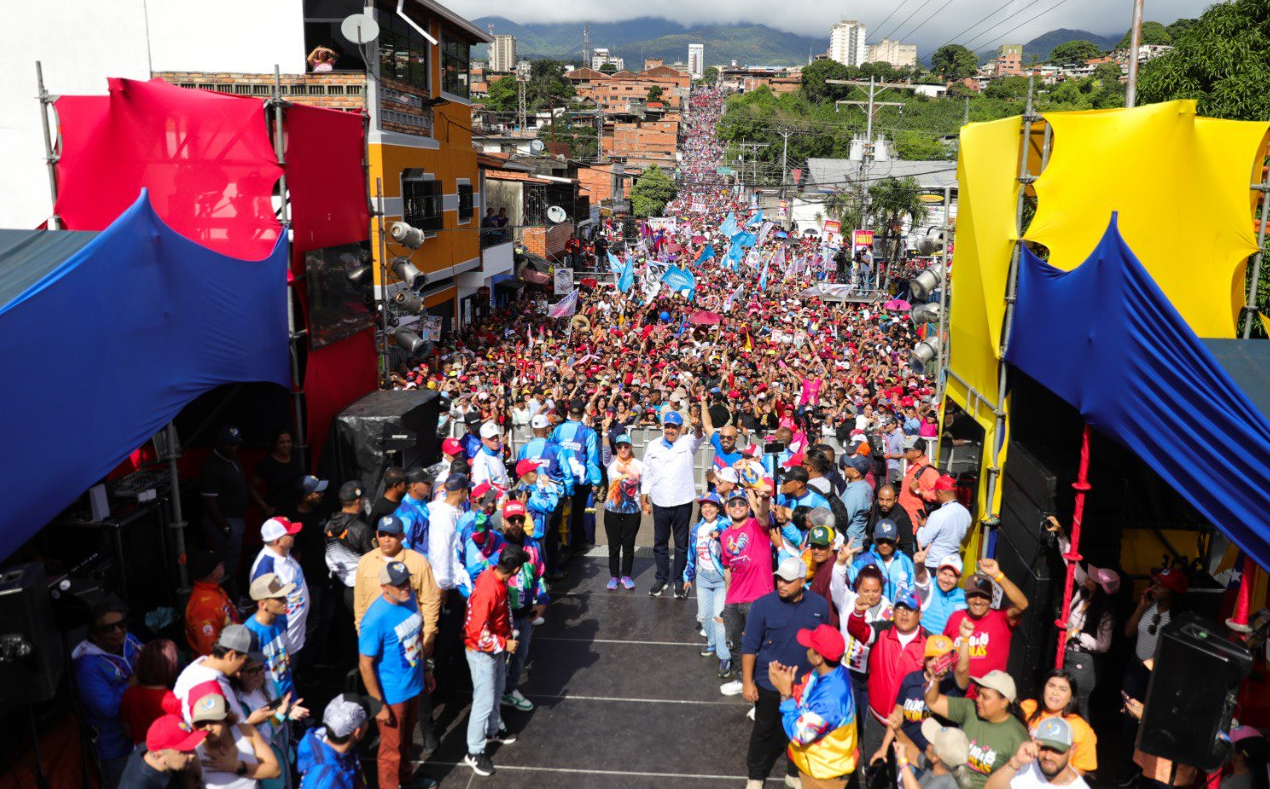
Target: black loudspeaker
1191	696
385	428
31	658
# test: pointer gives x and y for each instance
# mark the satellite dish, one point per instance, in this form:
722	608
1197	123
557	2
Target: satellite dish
537	146
556	214
360	28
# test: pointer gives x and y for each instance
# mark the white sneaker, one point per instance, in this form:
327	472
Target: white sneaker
750	714
732	688
793	782
538	621
753	783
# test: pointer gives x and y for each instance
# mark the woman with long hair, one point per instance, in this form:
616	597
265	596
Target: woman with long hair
1059	699
155	673
257	703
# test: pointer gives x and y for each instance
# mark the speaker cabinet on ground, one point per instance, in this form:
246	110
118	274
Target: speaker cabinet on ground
381	429
1191	696
30	647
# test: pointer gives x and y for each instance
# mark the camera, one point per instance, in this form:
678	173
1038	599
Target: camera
774	447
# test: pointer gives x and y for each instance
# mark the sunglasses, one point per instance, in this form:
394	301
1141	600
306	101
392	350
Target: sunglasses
202	724
1155	624
122	625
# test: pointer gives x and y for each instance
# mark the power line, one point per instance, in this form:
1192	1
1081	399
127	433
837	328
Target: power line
910	33
1021	24
905	22
992	14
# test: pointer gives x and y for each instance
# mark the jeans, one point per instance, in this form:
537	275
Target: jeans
668	521
578	535
228	546
551	540
621	528
1083	666
734	616
394	744
767	738
524	625
710	594
860	694
489	676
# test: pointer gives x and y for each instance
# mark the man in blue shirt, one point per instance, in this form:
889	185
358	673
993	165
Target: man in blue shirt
269	623
392	666
413	510
771	635
858	498
893	437
471	440
580	457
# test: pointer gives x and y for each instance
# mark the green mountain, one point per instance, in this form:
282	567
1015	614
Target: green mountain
1040	46
650	37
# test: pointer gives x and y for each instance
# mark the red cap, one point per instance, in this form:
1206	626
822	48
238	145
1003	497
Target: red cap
945	483
1172	578
480	490
526	466
513	508
451	446
169	732
826	640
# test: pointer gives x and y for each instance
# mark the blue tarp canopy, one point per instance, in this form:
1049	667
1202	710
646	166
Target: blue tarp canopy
1106	339
105	337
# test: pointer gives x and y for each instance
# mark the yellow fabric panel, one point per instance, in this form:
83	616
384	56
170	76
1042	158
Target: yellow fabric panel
982	414
987	176
1181	186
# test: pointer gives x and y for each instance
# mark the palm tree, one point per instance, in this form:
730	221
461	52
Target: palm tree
891	201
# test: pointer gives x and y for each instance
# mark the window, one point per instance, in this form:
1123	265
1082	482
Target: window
322	20
403	53
465	203
455	59
421	203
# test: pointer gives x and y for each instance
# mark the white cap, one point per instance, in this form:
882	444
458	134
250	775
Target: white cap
953	561
539	422
728	475
490	430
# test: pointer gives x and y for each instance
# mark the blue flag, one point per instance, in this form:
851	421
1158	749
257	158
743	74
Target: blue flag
679	279
627	280
762	280
757	220
735	253
705	255
614	264
746	239
728	228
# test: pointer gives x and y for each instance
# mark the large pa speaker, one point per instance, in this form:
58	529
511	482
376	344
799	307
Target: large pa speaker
382	429
31	658
1191	696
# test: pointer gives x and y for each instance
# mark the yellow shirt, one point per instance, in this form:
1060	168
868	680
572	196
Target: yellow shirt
1084	742
367	587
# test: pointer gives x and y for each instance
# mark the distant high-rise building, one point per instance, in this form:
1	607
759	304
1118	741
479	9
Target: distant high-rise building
601	56
502	54
846	43
697	60
893	52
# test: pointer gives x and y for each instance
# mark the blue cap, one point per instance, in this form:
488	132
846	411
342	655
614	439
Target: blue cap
860	463
886	529
622	438
672	418
908	598
390	524
711	498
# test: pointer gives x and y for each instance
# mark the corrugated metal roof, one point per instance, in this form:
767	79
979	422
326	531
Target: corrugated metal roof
27	256
830	174
507	175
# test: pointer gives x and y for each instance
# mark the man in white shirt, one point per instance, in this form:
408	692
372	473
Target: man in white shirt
1041	763
668	488
278	536
443	539
488	464
211	673
945	527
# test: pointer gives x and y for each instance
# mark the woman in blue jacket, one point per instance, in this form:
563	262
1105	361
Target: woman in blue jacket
705	569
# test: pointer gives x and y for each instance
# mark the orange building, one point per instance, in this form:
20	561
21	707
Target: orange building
626	91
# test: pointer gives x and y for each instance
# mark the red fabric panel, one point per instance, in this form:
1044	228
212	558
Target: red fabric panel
205	157
338	375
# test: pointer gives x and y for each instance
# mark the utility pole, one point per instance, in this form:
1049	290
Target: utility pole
784	166
522	81
753	146
965	118
1135	40
872	106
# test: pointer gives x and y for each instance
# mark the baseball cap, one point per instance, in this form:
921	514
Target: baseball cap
203	563
490	430
484	493
950	743
979	584
390	524
350	491
344	713
418	474
170	733
1054	733
230	434
539	421
274	528
945	483
728	475
211	707
791	569
860	464
821	536
1108	579
622	438
269	586
821	516
885	529
908	598
1172	578
394	574
513	508
237	638
472	418
711	498
737	494
526	466
1001	682
953	561
827	641
796	474
672	418
938	646
456	482
311	484
451	446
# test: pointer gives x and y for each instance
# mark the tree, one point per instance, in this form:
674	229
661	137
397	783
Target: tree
814	76
711	74
580	137
954	62
1077	51
1179	27
1007	88
1152	33
891	201
1223	60
609	68
916	146
546	87
655	93
652	190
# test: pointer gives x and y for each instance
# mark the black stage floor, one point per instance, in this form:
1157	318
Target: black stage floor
623	699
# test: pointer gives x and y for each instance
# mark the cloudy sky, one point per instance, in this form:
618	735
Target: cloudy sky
813	17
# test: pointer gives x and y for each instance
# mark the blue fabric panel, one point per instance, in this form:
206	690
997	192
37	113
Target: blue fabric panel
1105	338
105	349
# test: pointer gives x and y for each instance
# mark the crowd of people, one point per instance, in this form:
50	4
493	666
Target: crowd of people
825	550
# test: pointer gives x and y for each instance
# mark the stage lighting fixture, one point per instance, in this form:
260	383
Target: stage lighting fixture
410	342
926	351
407	273
926	283
409	302
926	313
407	235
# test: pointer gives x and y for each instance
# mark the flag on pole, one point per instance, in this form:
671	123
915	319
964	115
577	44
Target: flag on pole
679	279
762	280
627	279
749	346
728	228
732	298
565	307
757	220
706	254
614	264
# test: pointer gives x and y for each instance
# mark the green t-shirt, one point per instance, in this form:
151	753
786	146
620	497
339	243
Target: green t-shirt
991	744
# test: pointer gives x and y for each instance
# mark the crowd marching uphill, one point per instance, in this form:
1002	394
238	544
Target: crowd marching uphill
825	551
